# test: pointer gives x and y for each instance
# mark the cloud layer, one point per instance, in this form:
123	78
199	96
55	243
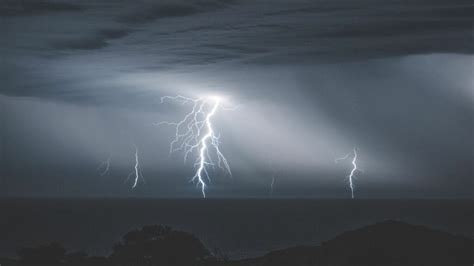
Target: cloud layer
314	79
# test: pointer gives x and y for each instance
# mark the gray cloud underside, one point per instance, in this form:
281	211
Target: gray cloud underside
167	35
280	31
10	8
138	14
92	42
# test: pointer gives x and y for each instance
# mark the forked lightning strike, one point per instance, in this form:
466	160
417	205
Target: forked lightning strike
195	133
353	170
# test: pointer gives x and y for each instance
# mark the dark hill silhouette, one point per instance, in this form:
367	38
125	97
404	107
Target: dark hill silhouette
397	243
385	243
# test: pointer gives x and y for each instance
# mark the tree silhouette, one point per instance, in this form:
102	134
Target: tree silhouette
158	245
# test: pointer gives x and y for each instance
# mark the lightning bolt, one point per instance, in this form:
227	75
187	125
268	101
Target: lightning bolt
342	158
136	173
272	185
274	173
195	133
353	170
105	166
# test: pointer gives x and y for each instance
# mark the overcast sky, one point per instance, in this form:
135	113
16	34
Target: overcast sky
82	81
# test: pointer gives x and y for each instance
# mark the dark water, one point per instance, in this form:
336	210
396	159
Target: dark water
245	227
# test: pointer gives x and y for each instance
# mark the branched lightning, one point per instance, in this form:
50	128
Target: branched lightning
353	170
136	173
104	167
195	133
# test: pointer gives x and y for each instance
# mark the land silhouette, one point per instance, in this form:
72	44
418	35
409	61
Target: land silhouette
386	243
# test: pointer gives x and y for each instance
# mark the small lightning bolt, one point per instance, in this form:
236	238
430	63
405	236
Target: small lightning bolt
274	173
195	133
353	170
272	185
342	158
104	166
136	173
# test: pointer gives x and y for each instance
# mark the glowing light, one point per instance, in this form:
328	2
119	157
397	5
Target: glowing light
104	166
353	170
195	133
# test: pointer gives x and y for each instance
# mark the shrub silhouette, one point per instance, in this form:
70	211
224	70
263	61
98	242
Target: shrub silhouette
158	245
45	254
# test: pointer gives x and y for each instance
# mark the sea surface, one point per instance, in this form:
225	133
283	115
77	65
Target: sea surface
238	227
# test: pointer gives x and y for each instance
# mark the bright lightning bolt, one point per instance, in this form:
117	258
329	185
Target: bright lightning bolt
104	166
353	170
137	173
195	133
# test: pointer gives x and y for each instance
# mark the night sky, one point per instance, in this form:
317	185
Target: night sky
81	82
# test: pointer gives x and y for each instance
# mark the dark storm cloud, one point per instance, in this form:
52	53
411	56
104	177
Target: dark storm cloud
96	41
35	7
114	33
164	9
178	35
142	13
153	13
87	43
258	32
234	48
317	32
354	31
